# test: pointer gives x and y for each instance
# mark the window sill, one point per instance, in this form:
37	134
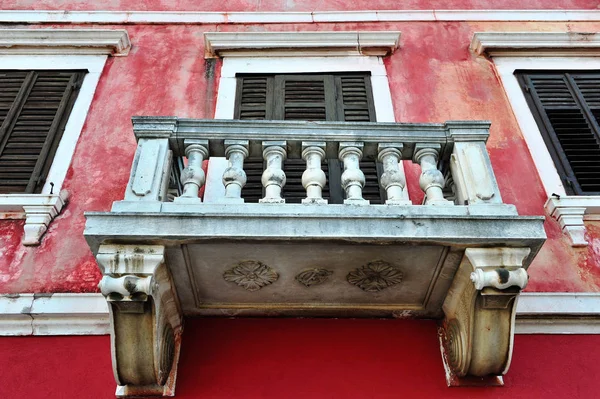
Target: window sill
38	210
571	211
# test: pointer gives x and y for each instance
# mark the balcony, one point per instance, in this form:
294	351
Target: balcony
460	257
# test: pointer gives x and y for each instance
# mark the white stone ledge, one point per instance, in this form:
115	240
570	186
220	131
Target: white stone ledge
38	210
87	314
571	212
199	17
254	44
64	41
53	314
537	44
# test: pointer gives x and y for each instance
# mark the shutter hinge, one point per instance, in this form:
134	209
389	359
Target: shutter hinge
527	88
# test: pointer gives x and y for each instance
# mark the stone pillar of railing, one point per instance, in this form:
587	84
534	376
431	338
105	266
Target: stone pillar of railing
432	179
149	178
392	180
313	178
471	167
353	179
273	178
234	177
192	176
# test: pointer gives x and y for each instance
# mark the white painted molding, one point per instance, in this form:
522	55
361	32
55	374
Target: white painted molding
558	313
199	17
53	314
87	314
537	44
64	41
269	44
571	211
38	210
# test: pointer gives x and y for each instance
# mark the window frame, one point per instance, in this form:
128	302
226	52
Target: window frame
94	64
232	66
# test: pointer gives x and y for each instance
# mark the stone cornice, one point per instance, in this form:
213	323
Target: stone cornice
64	42
538	44
246	44
266	17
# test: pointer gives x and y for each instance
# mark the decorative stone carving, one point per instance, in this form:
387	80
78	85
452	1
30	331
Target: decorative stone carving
251	275
375	276
192	176
145	319
273	178
39	216
353	179
392	180
234	177
314	276
431	180
313	178
477	333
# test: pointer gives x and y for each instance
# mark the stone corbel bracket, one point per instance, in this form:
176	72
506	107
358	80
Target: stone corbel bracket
477	332
145	316
38	210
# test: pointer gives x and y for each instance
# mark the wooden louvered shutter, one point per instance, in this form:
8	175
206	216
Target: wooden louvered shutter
34	108
567	108
330	97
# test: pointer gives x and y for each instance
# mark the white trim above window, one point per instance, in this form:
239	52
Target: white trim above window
37	50
64	41
536	44
294	44
570	211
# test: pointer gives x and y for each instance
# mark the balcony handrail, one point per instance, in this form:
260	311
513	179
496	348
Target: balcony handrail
177	130
452	157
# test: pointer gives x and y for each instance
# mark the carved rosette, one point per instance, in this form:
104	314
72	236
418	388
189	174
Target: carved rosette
375	276
314	276
251	275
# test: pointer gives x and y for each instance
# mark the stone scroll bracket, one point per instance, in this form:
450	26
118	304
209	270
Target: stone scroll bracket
145	316
476	335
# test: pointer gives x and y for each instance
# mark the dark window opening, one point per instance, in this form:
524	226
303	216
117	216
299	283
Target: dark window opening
310	97
34	109
566	107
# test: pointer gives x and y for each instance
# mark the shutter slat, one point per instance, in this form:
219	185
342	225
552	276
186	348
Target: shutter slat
562	106
35	127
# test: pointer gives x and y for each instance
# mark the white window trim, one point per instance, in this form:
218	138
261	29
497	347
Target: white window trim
382	96
53	50
87	314
570	211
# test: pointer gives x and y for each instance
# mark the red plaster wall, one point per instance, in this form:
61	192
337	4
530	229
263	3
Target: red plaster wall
293	358
286	5
433	78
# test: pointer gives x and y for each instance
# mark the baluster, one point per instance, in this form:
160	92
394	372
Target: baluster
353	179
392	180
313	178
273	178
234	177
431	180
192	176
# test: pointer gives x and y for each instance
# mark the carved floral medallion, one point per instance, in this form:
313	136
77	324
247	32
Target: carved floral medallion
313	276
251	275
375	276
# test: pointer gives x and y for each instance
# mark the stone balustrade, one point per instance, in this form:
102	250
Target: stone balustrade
452	157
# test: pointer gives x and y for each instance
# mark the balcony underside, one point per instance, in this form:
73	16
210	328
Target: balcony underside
310	260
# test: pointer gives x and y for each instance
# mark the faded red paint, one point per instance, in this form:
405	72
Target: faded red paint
287	5
310	358
433	78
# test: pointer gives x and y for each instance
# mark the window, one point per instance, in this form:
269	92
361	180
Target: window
310	97
566	107
34	109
